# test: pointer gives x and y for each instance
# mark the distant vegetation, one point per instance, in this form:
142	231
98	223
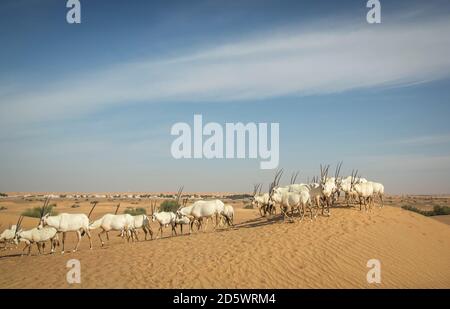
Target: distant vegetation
248	206
35	212
3	194
169	205
238	196
437	210
135	211
3	208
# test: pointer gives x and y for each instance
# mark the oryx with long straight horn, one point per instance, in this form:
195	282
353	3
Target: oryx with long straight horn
65	222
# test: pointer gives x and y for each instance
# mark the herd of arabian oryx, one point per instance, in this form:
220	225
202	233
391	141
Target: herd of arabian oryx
293	199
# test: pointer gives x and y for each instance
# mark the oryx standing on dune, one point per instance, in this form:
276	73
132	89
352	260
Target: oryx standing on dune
261	200
364	191
65	222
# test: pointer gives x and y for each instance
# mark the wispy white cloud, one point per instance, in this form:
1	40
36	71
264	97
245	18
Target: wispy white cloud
278	64
437	139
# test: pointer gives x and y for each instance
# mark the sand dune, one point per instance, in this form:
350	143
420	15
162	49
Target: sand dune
330	252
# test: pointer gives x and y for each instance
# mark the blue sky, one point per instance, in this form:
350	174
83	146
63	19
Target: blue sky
89	107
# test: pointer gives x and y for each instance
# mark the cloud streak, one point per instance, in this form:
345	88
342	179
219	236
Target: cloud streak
273	65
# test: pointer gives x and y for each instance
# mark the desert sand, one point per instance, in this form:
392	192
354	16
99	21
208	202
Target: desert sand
330	252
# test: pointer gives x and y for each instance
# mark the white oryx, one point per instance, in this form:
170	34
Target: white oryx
142	222
378	190
114	222
183	220
292	197
37	236
261	201
364	191
65	222
205	210
228	214
166	218
7	236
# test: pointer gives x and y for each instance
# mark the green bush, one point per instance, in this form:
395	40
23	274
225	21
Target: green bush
3	194
441	210
135	211
35	212
437	210
169	205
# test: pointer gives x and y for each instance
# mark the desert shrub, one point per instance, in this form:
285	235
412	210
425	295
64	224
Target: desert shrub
135	211
75	206
169	205
248	206
3	208
239	196
441	210
3	194
437	210
35	212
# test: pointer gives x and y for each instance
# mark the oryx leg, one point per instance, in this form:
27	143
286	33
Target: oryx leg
174	230
63	241
39	245
88	233
78	241
99	236
206	224
160	230
144	228
302	209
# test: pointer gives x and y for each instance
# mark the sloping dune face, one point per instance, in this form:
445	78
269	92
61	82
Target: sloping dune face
331	252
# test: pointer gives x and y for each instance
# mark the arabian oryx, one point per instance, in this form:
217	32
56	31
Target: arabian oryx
364	191
114	222
183	216
166	218
65	222
142	222
261	201
36	236
7	236
291	198
228	214
378	190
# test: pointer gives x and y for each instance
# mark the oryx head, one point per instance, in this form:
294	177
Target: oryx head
273	189
17	231
178	212
337	178
44	214
154	210
323	176
354	179
255	194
